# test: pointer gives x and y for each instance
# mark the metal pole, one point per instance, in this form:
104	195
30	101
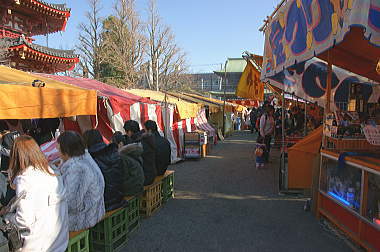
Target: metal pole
224	102
282	172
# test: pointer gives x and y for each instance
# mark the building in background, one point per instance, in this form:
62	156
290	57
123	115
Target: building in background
23	19
213	83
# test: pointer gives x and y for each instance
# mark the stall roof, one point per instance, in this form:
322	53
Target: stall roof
19	100
229	106
213	107
186	109
102	88
348	30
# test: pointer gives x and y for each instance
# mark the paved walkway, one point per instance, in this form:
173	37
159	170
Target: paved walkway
223	204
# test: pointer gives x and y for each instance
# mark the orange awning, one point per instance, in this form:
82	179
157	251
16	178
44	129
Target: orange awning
19	100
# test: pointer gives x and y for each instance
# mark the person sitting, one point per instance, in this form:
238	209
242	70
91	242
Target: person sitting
163	150
108	159
132	129
131	154
42	212
83	180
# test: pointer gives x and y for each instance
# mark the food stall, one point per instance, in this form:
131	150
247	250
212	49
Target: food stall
345	35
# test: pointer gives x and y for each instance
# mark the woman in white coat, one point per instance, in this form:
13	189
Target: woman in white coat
42	213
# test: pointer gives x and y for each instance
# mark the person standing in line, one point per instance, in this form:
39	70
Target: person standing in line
267	128
83	180
163	150
42	213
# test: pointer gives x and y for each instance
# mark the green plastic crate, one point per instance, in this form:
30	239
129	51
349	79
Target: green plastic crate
79	243
111	233
168	187
133	214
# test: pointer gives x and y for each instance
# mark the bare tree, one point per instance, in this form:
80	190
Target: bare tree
90	40
5	43
124	43
167	61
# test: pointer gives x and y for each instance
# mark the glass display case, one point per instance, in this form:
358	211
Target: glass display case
342	183
349	195
373	201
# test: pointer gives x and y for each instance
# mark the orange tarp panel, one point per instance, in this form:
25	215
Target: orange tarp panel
19	100
301	158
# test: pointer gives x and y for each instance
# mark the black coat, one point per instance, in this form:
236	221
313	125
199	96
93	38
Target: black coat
163	153
148	155
110	163
133	181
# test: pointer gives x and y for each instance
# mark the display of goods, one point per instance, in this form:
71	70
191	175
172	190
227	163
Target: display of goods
372	134
349	144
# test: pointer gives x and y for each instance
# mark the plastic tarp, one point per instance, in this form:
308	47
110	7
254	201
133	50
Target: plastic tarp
19	100
301	158
347	30
185	109
308	80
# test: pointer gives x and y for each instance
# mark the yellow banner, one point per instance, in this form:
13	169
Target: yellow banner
250	86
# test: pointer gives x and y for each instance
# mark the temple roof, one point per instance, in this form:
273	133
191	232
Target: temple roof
69	54
60	7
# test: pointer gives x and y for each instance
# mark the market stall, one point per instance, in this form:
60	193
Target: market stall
179	116
346	35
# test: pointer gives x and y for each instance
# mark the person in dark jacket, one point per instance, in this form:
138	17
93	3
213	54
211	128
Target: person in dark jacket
163	150
111	165
131	154
147	140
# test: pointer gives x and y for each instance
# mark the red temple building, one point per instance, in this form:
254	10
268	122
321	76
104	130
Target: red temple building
20	20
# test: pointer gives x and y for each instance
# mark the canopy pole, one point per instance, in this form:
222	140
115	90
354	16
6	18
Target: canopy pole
282	171
329	81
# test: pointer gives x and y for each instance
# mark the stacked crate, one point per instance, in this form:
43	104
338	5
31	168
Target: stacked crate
78	242
151	200
113	231
168	186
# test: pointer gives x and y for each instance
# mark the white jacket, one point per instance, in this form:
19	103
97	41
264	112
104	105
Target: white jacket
43	211
84	185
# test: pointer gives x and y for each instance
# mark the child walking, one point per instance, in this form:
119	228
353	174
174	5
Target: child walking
259	152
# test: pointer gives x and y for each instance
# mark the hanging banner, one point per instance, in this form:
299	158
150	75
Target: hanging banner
302	29
250	86
308	80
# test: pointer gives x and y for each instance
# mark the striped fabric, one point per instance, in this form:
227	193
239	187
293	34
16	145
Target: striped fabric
202	124
50	150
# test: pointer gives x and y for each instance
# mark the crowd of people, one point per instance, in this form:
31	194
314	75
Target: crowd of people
92	177
266	121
